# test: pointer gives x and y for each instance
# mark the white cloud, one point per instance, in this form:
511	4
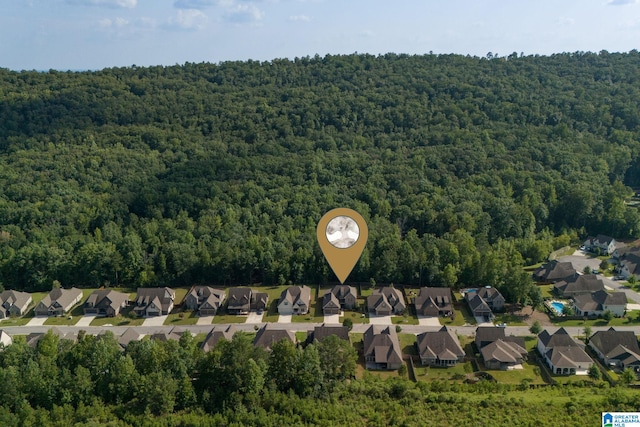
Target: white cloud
300	18
129	4
242	13
193	4
566	21
621	2
188	19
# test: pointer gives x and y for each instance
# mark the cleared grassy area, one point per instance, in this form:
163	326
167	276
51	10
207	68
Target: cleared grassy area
301	336
546	291
405	319
455	373
62	321
355	316
315	311
117	321
530	372
228	318
15	321
631	319
182	318
462	316
407	343
510	320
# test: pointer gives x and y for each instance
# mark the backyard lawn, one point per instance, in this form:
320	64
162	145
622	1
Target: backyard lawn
462	316
182	318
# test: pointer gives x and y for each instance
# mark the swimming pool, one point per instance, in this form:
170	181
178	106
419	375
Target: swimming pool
557	306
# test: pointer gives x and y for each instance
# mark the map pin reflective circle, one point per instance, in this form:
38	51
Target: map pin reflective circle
342	236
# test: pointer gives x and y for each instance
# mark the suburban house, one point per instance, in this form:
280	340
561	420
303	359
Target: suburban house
434	302
5	339
154	301
484	301
259	301
629	263
58	302
34	338
554	271
131	334
441	348
478	306
582	284
268	335
504	354
597	303
493	297
617	348
14	303
320	332
174	335
339	297
386	301
105	302
486	335
382	348
294	300
563	354
215	335
205	300
239	301
605	244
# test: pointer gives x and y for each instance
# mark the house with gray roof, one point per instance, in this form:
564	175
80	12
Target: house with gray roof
599	302
215	335
58	302
386	301
617	348
563	354
152	302
14	303
504	355
606	244
629	263
321	332
205	300
492	297
554	271
479	307
382	348
239	300
5	339
582	284
339	297
105	302
434	302
441	348
259	301
131	334
294	300
268	335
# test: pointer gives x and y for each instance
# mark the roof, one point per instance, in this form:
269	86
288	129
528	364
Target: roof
631	260
107	297
436	296
503	352
342	291
554	271
568	356
393	295
597	300
489	293
239	297
16	298
296	295
269	335
64	297
560	338
207	293
610	340
478	304
584	283
329	300
382	343
161	297
320	332
603	239
129	335
489	333
216	334
442	344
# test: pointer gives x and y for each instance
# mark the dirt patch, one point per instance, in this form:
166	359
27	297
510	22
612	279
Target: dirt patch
529	316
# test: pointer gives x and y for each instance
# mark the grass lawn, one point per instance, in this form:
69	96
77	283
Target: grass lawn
407	342
228	318
355	316
462	316
405	319
188	318
301	336
365	291
631	319
62	321
547	291
455	373
509	319
117	321
15	321
315	311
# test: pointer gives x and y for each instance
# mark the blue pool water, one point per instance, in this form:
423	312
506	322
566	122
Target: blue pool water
557	306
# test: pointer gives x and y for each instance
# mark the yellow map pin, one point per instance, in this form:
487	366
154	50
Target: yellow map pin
342	236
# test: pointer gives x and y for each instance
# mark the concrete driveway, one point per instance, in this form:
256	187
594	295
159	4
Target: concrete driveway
37	321
579	262
374	319
205	320
254	317
86	320
284	318
154	321
428	321
333	318
481	322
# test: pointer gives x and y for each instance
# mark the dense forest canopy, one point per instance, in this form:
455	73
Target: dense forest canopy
465	168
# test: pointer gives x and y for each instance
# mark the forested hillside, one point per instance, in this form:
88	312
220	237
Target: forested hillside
465	168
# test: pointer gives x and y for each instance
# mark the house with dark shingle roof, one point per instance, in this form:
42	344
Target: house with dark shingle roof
488	334
629	263
582	284
58	302
504	354
320	332
268	335
216	334
441	348
105	302
492	297
14	303
617	348
339	297
259	301
606	244
154	301
294	300
554	271
597	303
131	334
434	302
478	306
563	354
205	300
239	300
382	348
386	301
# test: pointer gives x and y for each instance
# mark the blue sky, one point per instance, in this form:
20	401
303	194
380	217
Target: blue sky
93	34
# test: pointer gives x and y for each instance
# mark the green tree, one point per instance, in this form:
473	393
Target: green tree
337	358
587	333
627	376
347	323
594	372
535	328
607	316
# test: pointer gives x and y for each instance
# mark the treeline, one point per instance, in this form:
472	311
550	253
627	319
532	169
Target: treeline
173	383
465	168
